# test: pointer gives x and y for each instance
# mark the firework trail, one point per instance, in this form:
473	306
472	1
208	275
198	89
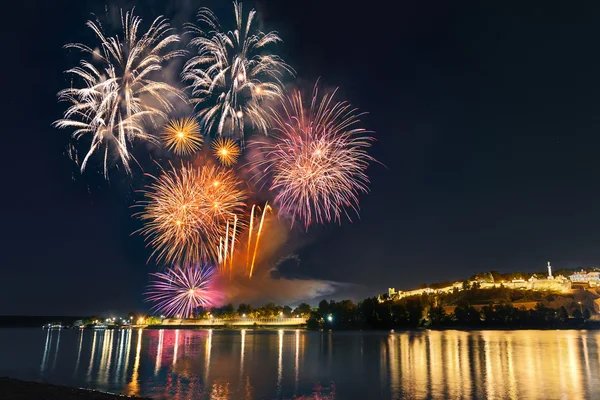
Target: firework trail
226	151
109	107
186	211
260	226
235	220
180	290
250	236
233	73
316	159
182	136
220	251
226	248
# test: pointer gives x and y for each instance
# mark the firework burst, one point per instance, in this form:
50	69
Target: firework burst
226	151
316	159
233	73
108	107
182	136
180	290
186	211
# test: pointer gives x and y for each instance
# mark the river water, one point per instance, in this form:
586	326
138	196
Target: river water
298	364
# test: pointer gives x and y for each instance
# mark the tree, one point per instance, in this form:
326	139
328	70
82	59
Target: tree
287	311
314	321
367	312
414	310
271	310
437	316
153	320
302	310
467	316
244	308
323	307
563	314
228	311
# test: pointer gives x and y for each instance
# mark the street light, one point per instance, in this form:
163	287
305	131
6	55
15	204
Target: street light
329	318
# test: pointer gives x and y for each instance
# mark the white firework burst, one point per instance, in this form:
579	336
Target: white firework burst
233	73
119	92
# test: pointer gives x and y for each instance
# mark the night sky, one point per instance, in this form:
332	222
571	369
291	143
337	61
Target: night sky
487	122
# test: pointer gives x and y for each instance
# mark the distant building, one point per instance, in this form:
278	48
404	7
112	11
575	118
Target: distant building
585	277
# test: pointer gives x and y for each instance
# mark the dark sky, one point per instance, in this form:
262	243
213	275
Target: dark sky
486	115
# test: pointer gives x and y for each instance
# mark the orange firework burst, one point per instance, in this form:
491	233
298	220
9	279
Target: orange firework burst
182	136
226	151
186	211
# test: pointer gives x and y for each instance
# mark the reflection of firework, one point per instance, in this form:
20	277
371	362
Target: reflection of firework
186	211
182	136
226	151
109	107
317	158
180	290
233	73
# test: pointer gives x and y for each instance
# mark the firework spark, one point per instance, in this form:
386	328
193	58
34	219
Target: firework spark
182	136
317	158
266	208
180	290
233	73
226	151
186	212
109	106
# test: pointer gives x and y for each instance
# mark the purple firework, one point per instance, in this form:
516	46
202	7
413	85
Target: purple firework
180	290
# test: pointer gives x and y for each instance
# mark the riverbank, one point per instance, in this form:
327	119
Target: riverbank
14	389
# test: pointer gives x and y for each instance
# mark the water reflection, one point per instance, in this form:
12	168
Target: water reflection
242	349
280	362
133	388
514	365
253	364
161	336
52	340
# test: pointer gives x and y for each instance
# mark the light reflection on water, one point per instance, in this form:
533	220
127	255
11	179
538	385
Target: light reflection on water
253	364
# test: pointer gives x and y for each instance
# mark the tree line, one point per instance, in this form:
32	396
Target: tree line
471	308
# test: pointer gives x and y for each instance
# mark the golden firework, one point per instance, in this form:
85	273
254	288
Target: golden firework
187	210
182	136
226	151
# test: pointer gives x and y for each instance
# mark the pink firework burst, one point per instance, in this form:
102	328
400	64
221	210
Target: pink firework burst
316	158
178	291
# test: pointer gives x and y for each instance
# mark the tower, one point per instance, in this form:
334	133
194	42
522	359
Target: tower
550	271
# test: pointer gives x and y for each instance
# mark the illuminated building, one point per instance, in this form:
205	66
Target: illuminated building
584	277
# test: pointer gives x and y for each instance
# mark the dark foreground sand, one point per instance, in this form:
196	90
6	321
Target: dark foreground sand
13	389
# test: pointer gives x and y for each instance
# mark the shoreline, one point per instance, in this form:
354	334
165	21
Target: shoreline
586	326
17	389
